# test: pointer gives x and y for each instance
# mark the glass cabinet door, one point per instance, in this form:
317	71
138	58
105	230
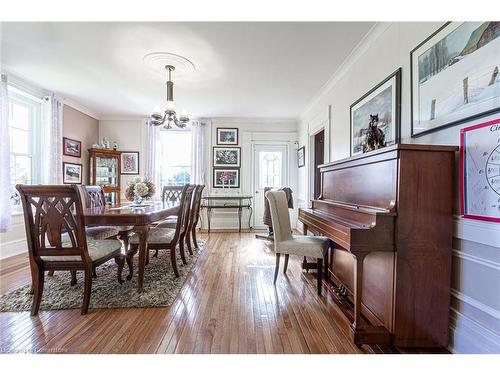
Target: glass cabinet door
106	170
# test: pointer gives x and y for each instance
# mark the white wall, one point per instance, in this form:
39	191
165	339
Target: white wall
250	131
475	311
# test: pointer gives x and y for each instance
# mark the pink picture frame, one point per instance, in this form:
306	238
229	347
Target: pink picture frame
487	177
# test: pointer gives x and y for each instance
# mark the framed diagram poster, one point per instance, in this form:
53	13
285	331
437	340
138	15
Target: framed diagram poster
480	171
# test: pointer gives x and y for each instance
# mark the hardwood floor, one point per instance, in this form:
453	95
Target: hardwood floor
227	305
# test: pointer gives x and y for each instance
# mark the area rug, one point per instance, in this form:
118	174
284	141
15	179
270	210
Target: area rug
160	287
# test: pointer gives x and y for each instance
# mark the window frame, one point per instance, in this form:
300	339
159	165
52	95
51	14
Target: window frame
34	105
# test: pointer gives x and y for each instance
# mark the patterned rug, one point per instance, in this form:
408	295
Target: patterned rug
160	287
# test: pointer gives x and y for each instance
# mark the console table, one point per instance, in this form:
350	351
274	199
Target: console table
239	202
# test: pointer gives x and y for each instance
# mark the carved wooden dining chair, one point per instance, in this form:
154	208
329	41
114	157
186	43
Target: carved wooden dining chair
55	232
94	197
286	243
166	238
190	230
194	218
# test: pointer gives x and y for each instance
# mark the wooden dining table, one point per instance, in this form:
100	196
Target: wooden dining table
140	217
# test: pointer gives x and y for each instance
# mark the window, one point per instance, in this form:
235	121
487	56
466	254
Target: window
175	162
270	168
24	124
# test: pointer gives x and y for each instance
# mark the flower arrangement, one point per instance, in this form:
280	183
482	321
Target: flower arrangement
139	189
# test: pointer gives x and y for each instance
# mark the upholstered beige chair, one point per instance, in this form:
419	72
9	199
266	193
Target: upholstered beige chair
286	243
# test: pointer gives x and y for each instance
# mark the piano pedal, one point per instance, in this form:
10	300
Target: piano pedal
341	292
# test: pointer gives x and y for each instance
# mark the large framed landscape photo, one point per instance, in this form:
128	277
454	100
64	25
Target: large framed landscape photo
383	100
454	75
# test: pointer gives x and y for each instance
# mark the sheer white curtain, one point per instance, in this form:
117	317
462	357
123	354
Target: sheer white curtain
51	153
153	150
198	153
5	193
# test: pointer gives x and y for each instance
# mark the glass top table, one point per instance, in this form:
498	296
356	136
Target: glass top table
211	202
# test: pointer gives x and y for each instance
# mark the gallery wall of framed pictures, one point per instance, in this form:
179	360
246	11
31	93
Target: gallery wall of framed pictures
72	172
226	159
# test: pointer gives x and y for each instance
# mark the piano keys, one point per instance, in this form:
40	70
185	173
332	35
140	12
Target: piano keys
389	214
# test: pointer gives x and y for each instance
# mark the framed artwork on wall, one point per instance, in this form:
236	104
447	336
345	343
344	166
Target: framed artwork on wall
226	178
227	136
454	76
480	171
301	156
382	102
72	173
226	157
129	162
72	147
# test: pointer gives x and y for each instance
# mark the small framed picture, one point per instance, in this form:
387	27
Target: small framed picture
72	173
227	157
226	178
129	162
72	147
227	136
301	156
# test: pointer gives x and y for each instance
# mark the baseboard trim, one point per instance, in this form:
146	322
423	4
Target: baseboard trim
475	303
469	337
12	248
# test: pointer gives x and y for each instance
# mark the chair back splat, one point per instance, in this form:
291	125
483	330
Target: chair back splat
172	193
94	196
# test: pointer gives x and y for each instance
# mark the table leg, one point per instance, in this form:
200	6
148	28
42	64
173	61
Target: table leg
209	216
250	213
239	219
142	232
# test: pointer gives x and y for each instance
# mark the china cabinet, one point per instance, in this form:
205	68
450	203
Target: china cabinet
105	171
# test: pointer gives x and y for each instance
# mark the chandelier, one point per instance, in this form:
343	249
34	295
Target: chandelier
169	117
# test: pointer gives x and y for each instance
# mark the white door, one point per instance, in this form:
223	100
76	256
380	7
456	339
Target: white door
271	170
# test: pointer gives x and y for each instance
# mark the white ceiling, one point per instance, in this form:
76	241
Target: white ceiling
243	69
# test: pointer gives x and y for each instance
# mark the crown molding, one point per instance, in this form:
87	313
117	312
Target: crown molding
37	91
124	118
81	108
240	120
373	34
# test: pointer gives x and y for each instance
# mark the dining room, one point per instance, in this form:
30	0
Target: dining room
241	186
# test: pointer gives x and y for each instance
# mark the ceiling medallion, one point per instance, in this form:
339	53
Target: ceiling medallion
156	61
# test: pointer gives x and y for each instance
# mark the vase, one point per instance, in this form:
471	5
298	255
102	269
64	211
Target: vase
137	199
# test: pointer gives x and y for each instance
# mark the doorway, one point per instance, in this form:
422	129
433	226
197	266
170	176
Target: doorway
271	170
319	158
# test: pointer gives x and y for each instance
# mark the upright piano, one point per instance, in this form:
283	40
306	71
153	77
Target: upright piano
389	215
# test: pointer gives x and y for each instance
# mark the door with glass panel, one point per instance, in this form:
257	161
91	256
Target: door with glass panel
271	170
